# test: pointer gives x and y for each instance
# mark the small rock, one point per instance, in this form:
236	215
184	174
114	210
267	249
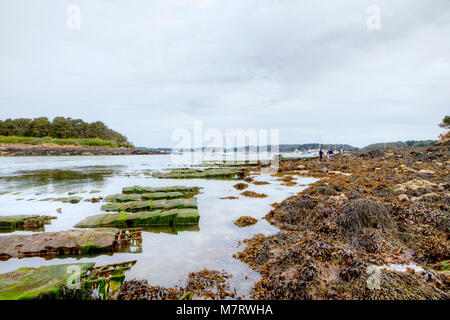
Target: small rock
59	210
403	197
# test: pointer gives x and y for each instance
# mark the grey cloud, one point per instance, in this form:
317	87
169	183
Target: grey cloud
308	68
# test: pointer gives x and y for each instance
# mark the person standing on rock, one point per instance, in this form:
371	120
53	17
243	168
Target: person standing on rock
320	154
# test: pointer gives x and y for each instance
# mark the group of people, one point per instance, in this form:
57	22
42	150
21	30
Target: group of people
329	153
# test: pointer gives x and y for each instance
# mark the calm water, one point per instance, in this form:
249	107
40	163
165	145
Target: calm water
167	255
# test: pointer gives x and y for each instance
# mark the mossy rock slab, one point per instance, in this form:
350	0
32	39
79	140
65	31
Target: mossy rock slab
57	282
70	242
37	283
230	164
73	200
24	222
144	196
182	189
150	205
172	217
209	173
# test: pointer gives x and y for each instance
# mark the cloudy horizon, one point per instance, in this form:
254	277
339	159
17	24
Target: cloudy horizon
315	71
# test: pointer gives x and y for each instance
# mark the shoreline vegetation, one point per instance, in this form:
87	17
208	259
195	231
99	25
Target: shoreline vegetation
50	149
91	142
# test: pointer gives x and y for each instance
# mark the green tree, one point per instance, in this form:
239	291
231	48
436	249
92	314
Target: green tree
61	128
445	123
40	127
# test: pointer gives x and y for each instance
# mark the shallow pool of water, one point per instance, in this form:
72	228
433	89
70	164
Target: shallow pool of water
167	255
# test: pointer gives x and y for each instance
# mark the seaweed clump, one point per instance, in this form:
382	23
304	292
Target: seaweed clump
252	194
204	284
245	221
363	213
240	186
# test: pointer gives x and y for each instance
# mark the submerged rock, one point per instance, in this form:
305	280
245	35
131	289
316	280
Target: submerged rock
24	222
73	200
71	242
144	218
240	186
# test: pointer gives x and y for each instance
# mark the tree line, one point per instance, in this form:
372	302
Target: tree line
60	127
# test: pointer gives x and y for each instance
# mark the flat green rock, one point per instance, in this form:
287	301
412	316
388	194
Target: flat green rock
208	173
150	205
182	189
39	283
58	282
73	200
174	217
144	196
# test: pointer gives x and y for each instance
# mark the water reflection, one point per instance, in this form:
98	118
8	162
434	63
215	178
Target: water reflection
167	254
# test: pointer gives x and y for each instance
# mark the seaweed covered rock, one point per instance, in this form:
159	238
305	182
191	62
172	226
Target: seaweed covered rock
24	222
323	189
363	213
292	211
245	221
240	186
204	284
71	242
252	194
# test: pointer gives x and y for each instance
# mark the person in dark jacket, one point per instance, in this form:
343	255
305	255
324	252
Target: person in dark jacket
321	154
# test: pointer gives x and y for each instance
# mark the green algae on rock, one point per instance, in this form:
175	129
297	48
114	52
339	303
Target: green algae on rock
146	196
182	189
209	173
150	205
70	242
24	222
73	200
57	282
173	217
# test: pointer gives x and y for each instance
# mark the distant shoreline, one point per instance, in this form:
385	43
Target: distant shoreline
27	150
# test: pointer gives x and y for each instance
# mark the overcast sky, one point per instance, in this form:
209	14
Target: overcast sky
308	68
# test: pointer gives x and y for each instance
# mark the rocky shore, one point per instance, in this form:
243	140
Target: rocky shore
375	226
20	150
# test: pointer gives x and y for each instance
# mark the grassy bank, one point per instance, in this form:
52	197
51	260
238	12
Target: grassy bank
93	142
